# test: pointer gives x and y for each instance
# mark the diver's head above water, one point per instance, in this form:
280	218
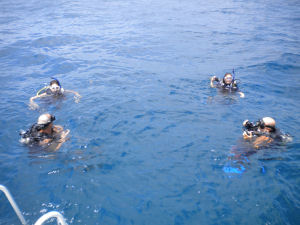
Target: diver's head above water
41	129
45	121
44	133
264	125
55	86
228	79
267	124
264	132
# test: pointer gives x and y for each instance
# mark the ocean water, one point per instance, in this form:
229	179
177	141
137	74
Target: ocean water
150	139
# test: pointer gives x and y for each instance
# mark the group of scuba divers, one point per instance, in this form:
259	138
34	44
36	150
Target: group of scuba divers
261	133
44	134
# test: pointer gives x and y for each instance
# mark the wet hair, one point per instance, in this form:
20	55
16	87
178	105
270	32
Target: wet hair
54	82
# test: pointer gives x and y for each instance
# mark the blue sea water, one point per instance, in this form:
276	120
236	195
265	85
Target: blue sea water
150	140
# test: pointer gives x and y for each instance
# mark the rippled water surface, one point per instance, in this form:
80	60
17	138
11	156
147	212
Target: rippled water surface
149	138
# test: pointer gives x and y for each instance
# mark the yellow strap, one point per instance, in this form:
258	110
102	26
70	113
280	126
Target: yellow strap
42	89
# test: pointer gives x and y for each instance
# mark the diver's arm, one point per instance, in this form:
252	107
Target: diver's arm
262	140
235	86
212	79
77	95
242	95
74	92
63	139
58	146
38	96
34	105
34	97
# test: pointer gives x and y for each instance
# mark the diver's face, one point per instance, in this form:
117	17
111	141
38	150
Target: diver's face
48	129
54	88
266	130
228	79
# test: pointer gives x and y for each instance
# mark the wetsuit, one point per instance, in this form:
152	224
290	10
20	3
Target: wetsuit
276	136
279	136
227	87
34	137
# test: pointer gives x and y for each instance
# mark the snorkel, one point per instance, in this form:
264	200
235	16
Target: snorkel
41	90
233	75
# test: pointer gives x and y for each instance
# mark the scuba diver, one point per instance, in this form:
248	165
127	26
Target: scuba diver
264	132
44	133
228	83
258	135
55	90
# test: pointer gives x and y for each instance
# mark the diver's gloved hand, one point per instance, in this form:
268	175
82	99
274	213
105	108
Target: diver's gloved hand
33	106
247	135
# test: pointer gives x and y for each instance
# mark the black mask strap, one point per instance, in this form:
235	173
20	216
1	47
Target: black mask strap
262	125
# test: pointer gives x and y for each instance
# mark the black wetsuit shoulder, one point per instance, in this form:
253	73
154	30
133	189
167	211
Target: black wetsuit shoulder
35	137
277	135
